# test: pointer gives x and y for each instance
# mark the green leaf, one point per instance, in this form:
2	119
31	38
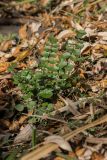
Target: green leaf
43	59
46	93
52	54
52	60
80	33
31	104
46	54
44	104
53	49
62	64
50	106
69	67
52	68
66	55
19	107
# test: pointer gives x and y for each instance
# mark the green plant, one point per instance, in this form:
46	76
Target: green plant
41	86
53	75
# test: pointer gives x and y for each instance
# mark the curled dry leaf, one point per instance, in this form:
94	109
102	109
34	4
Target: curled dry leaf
77	26
80	151
24	135
86	48
15	51
23	32
6	45
35	26
72	107
4	66
65	34
58	140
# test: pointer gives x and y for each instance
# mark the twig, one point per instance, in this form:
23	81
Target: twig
50	118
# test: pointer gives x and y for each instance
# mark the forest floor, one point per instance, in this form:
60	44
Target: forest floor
53	80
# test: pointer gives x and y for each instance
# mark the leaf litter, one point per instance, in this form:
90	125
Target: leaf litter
79	112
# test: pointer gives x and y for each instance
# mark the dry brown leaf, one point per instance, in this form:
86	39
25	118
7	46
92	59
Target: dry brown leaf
22	55
44	3
65	34
77	26
58	140
101	64
24	135
6	45
97	156
103	83
4	66
23	32
46	20
86	48
35	26
15	124
80	151
103	35
2	54
72	107
87	154
16	51
72	155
